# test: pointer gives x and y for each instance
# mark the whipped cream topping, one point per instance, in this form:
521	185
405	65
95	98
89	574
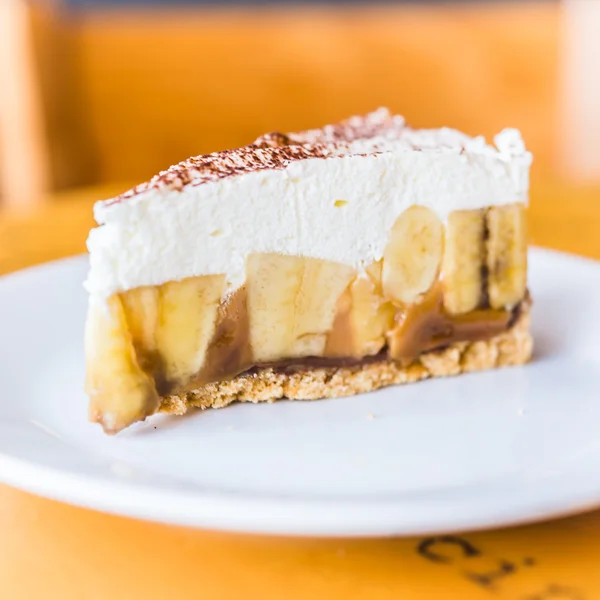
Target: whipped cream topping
331	193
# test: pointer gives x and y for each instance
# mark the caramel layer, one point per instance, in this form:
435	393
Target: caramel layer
427	326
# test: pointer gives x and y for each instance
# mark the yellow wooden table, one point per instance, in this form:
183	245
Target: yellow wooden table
52	551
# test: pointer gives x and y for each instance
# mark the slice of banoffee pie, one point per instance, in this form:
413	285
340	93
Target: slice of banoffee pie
309	265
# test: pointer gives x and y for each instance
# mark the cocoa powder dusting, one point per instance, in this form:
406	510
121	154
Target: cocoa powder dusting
272	151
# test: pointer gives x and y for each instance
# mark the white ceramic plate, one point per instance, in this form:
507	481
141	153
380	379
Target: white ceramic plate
480	450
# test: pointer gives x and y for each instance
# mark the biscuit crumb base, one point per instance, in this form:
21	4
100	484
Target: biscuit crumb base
514	347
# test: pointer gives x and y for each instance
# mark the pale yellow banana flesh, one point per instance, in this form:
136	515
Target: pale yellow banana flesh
506	260
292	304
463	261
186	320
120	391
272	282
371	318
412	258
141	313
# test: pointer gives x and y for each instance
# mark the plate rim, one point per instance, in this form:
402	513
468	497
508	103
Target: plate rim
274	516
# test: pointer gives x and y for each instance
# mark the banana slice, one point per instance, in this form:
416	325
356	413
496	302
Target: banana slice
141	313
323	282
412	258
186	321
506	255
463	261
120	391
272	283
371	317
292	303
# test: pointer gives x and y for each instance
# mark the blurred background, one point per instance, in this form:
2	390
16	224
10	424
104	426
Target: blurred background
102	94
